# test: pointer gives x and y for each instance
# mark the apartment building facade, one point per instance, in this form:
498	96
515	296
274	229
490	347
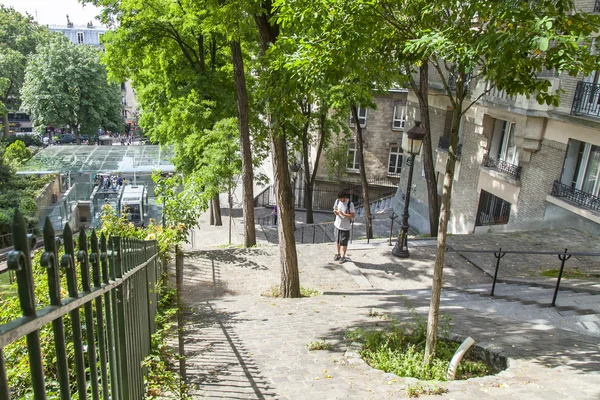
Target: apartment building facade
382	129
522	165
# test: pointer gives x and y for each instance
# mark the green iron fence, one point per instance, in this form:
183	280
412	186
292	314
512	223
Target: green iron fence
111	312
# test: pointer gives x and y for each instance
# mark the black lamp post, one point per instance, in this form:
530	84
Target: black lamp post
411	145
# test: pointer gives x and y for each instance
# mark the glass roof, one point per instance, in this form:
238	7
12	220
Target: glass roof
86	158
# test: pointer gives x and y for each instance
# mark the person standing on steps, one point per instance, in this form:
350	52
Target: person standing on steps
344	212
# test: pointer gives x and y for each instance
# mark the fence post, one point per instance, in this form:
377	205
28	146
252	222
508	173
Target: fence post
108	303
180	322
19	260
82	257
393	216
67	262
563	258
95	261
120	336
49	260
498	256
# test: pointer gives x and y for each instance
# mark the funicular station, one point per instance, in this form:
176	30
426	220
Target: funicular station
87	177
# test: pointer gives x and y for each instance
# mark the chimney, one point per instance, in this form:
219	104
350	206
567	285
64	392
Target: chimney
69	23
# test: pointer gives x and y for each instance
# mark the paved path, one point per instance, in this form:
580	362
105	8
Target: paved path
243	345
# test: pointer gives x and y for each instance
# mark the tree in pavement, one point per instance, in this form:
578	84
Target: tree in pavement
65	84
183	77
18	39
506	44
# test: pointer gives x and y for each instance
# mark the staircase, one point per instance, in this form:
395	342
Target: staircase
576	311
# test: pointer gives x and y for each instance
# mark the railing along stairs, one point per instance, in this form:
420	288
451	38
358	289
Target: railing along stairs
111	317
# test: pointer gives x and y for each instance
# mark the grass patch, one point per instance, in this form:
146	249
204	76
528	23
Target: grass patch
318	345
304	292
400	350
570	274
418	389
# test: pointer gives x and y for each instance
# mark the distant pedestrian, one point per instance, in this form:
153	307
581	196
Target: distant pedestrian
274	213
344	212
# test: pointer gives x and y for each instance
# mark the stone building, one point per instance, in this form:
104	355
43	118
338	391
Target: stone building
382	135
522	165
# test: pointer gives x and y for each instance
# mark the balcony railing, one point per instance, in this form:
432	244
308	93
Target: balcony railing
444	144
576	196
512	170
586	100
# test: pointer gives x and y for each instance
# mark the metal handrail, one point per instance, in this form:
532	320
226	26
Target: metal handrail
502	166
576	196
498	254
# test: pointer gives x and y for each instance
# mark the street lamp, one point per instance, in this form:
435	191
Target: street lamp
411	144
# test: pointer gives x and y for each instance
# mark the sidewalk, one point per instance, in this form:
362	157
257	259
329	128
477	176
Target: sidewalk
240	344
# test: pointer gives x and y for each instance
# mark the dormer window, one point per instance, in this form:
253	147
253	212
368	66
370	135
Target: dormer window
79	37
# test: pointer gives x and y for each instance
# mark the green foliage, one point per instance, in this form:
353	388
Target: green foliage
65	84
29	139
16	154
574	273
416	390
336	160
318	345
399	349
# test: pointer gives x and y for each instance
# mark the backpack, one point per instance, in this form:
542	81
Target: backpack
350	205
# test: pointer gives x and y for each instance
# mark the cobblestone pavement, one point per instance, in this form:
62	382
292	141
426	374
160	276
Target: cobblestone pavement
242	345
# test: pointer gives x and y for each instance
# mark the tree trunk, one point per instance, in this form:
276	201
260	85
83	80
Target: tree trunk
305	161
76	133
230	199
422	93
216	207
438	271
211	213
363	172
245	147
290	279
5	126
180	321
310	177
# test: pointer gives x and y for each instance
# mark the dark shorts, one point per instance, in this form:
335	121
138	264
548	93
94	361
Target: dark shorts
343	237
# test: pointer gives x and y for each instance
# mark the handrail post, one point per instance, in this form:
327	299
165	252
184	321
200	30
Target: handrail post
19	260
563	258
302	240
393	216
498	256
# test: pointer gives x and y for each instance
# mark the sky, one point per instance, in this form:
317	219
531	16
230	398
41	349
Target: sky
54	12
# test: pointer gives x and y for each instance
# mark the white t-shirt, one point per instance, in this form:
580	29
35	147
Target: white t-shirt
341	222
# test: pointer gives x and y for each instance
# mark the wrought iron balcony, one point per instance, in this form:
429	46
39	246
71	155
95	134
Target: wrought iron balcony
514	171
586	100
444	144
576	196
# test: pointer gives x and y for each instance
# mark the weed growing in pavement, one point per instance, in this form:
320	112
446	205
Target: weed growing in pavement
304	292
400	349
419	389
318	345
575	273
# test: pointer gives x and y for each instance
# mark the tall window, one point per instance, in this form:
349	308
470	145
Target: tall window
399	118
395	161
582	167
503	145
362	117
352	163
79	37
124	100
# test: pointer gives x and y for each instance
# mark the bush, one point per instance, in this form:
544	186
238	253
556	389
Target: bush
400	350
30	139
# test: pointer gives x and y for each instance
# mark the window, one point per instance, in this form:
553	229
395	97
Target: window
362	117
352	157
124	113
503	145
492	210
79	37
124	100
395	161
399	118
581	169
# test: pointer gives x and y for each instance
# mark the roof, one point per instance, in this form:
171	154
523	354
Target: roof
108	159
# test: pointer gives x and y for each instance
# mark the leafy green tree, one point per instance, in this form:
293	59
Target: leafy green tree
16	154
65	84
336	159
18	39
